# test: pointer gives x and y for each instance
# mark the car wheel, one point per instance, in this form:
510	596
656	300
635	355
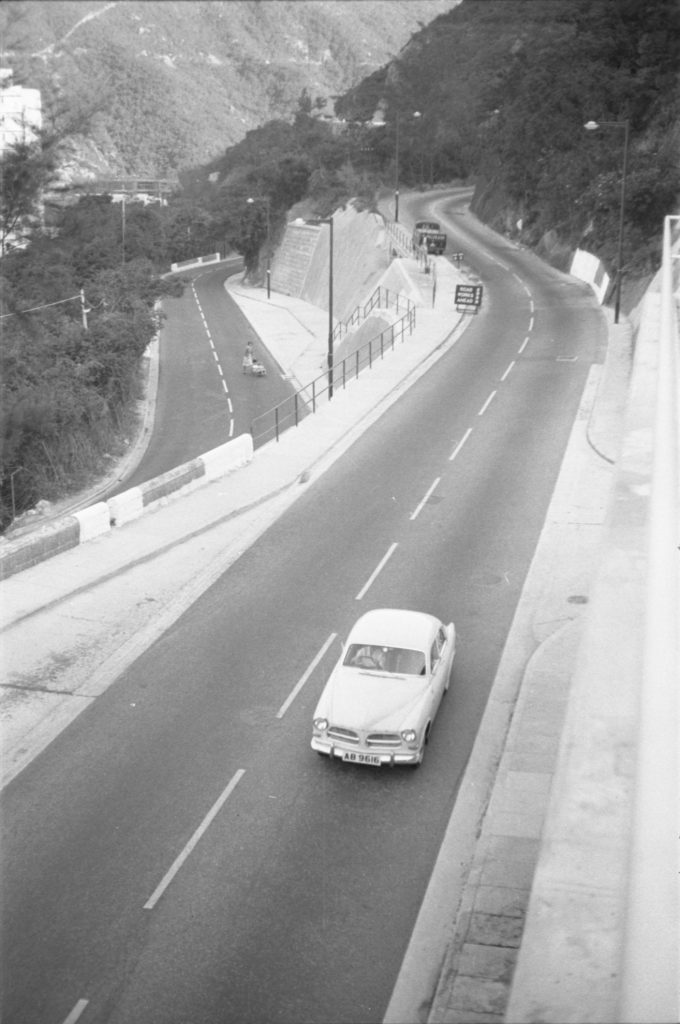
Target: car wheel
421	752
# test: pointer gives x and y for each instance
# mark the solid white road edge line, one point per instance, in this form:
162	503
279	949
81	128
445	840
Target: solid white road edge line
486	404
425	499
76	1011
379	567
460	444
202	828
305	676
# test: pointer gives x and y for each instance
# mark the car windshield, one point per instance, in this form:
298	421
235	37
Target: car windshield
393	660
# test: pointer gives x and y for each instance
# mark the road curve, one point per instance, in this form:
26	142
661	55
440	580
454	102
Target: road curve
204	399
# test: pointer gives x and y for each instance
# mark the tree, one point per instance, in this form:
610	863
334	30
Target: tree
26	170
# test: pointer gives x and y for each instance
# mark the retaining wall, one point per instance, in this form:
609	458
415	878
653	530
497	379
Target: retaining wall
292	260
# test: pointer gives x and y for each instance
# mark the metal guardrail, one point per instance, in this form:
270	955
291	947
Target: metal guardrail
382	298
650	991
400	239
289	413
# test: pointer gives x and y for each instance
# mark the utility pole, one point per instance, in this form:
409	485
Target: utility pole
83	309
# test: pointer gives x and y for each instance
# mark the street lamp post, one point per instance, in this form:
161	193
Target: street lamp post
265	199
593	126
329	221
416	113
396	172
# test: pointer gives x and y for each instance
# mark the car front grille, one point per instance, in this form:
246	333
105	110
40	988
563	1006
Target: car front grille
344	735
383	739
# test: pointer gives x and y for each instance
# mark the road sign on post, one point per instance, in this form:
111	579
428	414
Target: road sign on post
468	297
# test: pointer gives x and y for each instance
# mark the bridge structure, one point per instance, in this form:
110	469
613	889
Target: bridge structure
132	185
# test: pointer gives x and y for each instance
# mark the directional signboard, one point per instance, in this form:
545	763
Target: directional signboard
468	297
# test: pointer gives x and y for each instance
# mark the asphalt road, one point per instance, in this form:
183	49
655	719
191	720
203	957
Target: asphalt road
179	854
206	325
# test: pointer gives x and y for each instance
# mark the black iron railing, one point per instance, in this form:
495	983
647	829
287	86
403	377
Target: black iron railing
289	413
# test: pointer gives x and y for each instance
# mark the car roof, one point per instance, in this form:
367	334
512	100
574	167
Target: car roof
395	627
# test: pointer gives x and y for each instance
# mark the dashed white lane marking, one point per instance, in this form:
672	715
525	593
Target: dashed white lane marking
215	357
508	370
460	444
486	404
523	345
305	676
202	828
380	566
76	1011
425	499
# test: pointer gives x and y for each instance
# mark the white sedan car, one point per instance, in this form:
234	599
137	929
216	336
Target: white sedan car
381	698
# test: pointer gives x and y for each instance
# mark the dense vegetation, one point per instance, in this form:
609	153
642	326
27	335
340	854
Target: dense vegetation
78	312
502	89
505	87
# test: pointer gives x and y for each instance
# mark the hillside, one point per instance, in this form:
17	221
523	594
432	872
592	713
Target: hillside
172	84
504	88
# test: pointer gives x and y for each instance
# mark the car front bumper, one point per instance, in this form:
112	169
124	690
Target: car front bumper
364	756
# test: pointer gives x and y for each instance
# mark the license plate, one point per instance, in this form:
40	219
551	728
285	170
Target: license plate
352	755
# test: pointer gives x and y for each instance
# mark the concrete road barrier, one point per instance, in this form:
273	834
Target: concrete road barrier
126	506
94	521
228	457
43	543
174	480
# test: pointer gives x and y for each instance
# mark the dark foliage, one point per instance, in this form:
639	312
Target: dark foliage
78	312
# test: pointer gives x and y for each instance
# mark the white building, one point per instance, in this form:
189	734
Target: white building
20	112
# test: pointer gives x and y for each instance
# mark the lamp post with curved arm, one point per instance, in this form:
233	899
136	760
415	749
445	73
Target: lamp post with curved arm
592	126
265	199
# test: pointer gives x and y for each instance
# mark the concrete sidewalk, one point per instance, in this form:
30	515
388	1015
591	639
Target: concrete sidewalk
72	623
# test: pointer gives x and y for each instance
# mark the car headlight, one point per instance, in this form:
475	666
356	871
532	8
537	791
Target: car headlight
408	735
321	724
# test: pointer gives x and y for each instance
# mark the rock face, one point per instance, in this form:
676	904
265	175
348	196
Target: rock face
171	85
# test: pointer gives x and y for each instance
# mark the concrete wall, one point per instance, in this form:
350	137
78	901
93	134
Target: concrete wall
293	258
360	255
